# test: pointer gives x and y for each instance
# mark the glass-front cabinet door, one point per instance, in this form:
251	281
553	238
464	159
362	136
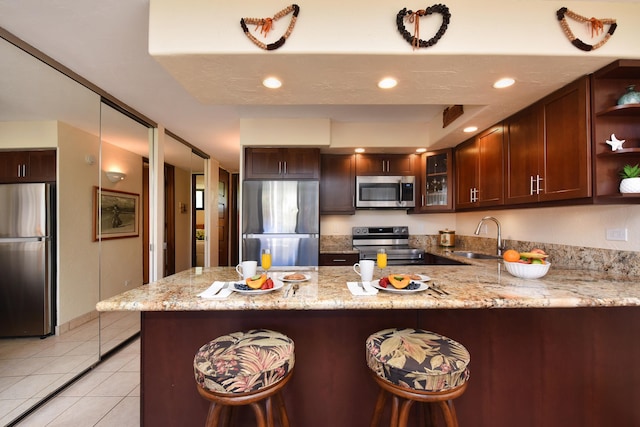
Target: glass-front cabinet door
436	176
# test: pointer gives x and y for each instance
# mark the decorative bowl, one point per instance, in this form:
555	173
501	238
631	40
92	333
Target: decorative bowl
527	271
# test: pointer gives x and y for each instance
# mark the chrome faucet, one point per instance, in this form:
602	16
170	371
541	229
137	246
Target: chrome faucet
499	243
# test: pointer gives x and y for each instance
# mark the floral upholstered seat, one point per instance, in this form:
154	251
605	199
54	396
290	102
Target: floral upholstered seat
244	362
417	359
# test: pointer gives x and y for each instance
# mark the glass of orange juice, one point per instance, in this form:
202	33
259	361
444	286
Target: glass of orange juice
381	259
266	260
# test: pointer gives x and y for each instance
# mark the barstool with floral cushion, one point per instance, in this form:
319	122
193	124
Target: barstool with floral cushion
245	368
415	365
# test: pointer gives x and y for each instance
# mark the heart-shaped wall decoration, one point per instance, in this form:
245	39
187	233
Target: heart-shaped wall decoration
414	18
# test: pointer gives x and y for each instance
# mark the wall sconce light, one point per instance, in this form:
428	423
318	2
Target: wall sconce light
115	176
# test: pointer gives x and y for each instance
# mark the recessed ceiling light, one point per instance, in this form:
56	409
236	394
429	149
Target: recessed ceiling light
387	83
470	129
359	150
272	83
421	150
505	82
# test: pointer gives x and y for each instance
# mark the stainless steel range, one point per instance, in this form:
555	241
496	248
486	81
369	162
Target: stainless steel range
395	240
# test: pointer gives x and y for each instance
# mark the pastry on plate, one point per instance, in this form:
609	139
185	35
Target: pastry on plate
295	276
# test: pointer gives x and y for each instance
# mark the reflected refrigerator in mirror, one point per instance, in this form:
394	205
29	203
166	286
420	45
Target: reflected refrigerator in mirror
25	260
284	217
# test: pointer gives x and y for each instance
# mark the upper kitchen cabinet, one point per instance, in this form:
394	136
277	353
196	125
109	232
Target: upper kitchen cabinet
435	182
337	184
479	173
385	164
548	152
28	166
609	119
282	163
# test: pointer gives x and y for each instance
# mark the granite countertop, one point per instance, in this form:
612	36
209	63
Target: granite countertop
481	284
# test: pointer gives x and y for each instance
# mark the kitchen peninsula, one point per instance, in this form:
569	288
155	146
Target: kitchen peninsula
557	351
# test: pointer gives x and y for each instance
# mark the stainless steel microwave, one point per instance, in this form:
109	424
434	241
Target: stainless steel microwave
397	192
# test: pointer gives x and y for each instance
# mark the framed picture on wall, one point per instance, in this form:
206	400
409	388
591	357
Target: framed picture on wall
199	199
116	214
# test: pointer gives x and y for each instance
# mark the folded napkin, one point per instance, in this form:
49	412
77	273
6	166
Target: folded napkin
217	290
356	288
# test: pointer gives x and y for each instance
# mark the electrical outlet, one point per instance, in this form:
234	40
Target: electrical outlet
617	234
127	283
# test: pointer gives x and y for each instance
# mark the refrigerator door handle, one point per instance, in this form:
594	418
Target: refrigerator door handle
22	239
276	235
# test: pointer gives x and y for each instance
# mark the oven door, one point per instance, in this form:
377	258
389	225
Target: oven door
397	256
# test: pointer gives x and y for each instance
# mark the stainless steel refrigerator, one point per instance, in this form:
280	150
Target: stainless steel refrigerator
283	216
25	260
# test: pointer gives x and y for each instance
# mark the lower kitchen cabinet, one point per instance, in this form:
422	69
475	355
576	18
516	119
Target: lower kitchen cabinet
335	259
337	184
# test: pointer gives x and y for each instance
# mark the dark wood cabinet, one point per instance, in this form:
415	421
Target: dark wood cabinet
435	182
525	153
28	166
385	164
623	121
337	184
333	259
282	163
548	148
567	144
480	170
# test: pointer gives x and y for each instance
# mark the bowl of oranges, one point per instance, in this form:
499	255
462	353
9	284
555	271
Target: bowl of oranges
526	265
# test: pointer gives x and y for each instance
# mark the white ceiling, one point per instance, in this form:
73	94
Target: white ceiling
106	43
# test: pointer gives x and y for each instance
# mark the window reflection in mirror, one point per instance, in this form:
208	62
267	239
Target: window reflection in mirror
43	109
198	194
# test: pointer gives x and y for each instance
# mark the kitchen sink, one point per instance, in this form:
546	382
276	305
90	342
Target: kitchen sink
476	255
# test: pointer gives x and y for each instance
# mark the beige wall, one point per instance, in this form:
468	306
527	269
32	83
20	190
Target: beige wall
28	134
572	225
78	255
121	259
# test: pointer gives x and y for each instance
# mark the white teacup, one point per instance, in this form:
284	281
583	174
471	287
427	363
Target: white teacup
364	269
247	269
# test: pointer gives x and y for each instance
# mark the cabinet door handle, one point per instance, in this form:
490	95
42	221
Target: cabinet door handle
339	260
279	168
538	179
19	171
531	185
24	170
285	167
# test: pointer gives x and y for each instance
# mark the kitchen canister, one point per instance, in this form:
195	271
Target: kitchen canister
447	238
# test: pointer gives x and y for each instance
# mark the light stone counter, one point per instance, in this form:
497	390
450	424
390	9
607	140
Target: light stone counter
482	284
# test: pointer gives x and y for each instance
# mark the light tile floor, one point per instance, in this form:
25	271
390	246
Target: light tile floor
106	396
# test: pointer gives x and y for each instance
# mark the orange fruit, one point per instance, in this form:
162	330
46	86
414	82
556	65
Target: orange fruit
511	255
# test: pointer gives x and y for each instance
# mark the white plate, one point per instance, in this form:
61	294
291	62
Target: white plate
277	284
422	278
390	288
282	277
